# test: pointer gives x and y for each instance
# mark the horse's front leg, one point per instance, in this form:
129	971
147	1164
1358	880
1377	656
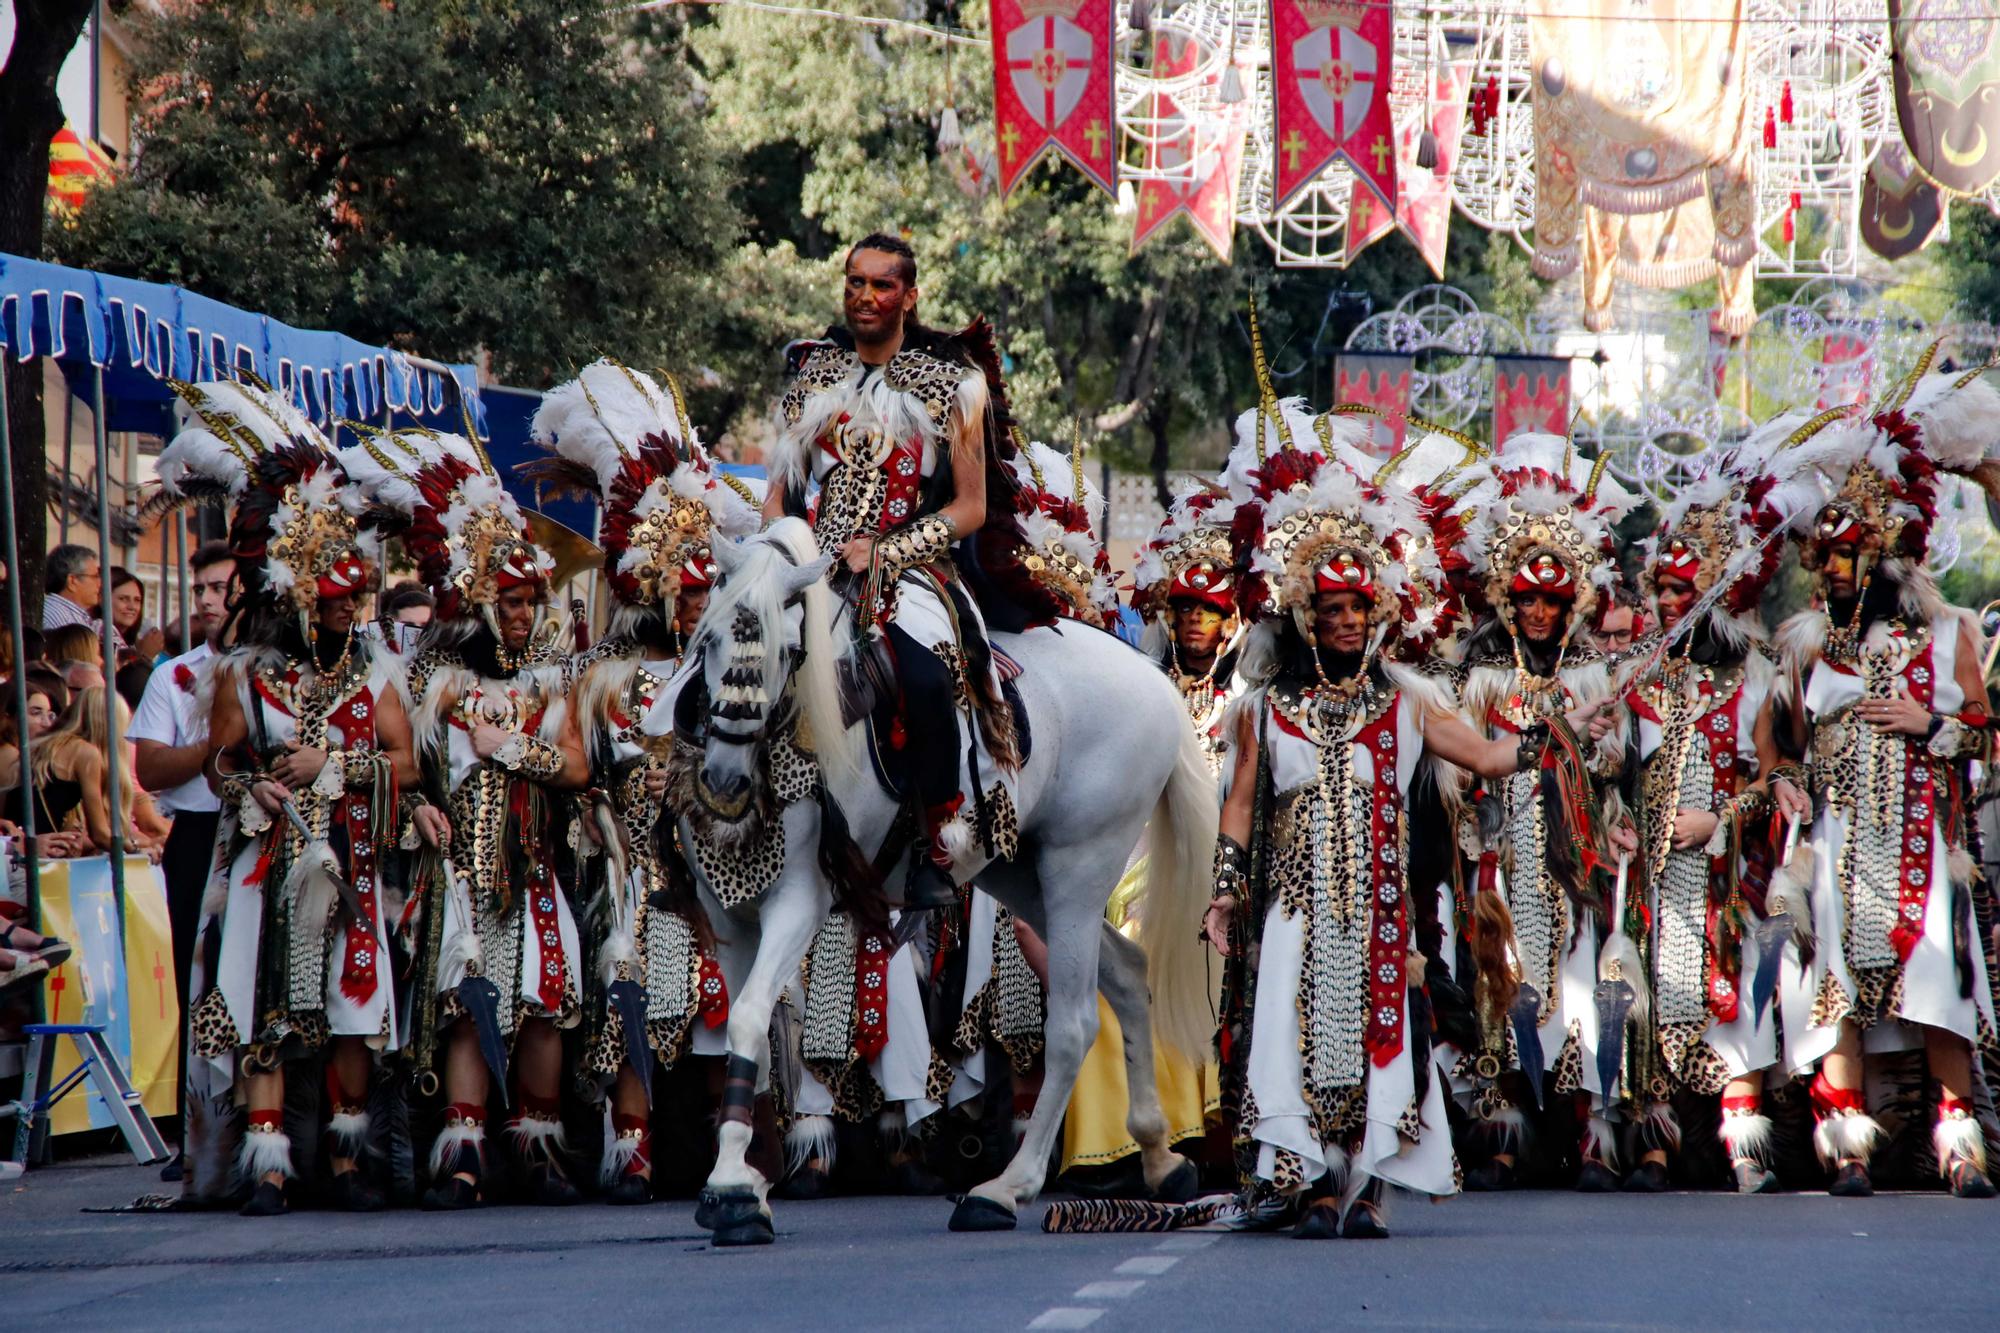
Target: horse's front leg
734	1203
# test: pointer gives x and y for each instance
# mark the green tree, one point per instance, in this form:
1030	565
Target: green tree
45	31
533	180
836	125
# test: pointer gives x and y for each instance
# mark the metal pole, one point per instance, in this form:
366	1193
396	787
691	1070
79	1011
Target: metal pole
181	558
113	740
69	456
26	776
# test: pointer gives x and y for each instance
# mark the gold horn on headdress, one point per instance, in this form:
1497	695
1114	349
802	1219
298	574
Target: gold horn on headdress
1267	396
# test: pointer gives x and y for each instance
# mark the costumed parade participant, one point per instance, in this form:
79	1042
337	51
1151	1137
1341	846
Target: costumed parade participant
498	964
657	992
1325	1038
892	420
1886	702
1701	698
1536	524
1186	593
308	745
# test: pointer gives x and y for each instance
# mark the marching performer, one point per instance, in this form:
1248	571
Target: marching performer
1333	1092
1886	701
657	992
308	744
1186	593
1537	527
1701	698
498	963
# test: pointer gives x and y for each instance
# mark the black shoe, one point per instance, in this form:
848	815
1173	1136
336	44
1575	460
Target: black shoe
352	1193
1752	1178
1851	1182
1596	1178
1647	1178
808	1182
1364	1222
1968	1181
930	888
550	1188
629	1189
266	1200
175	1171
911	1176
1319	1221
451	1195
1492	1176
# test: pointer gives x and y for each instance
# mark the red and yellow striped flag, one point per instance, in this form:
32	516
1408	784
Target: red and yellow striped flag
74	163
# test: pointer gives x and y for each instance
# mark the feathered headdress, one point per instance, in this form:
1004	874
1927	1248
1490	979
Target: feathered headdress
1058	511
464	530
1719	530
294	525
1191	557
625	439
1875	472
1536	518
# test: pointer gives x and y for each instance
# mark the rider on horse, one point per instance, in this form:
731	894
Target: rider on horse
890	419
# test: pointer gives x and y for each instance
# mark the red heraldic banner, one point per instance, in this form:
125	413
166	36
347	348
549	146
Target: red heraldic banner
1380	380
1423	194
1052	87
1209	150
1331	64
1530	393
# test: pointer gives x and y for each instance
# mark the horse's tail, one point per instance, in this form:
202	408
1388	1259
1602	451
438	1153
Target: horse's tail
1180	855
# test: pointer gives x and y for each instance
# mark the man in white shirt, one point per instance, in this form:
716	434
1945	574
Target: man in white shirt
172	741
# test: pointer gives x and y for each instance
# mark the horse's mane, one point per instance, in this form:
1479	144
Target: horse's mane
756	583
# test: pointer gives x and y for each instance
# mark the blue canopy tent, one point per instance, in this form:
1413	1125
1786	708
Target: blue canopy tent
118	341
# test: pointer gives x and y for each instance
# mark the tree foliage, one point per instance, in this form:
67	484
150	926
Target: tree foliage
529	178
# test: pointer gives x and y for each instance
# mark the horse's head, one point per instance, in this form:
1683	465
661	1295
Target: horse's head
767	659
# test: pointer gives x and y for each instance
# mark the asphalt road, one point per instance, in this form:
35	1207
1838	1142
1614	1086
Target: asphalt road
1529	1260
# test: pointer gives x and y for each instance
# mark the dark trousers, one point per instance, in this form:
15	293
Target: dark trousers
189	853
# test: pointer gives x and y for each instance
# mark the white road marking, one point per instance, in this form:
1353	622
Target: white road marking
1066	1316
1148	1265
1108	1290
1194	1240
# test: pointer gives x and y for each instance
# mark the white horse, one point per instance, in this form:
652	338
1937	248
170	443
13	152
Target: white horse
1111	751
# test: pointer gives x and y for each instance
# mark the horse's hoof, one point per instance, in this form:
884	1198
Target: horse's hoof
975	1213
723	1210
1181	1184
753	1230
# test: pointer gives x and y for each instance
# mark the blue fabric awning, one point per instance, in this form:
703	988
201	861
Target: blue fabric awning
143	333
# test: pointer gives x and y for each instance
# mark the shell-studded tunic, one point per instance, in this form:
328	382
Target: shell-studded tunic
624	699
1556	953
1885	908
1330	1063
292	964
1697	747
504	915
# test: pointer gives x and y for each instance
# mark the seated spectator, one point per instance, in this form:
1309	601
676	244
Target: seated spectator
72	780
78	653
47	701
143	642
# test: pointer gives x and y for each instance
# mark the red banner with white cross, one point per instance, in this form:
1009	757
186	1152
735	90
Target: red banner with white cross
1331	65
1423	194
1052	87
1199	158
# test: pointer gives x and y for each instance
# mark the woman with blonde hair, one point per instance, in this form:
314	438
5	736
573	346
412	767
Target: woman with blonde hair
72	780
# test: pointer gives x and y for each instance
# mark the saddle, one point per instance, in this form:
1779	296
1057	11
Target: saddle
869	692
